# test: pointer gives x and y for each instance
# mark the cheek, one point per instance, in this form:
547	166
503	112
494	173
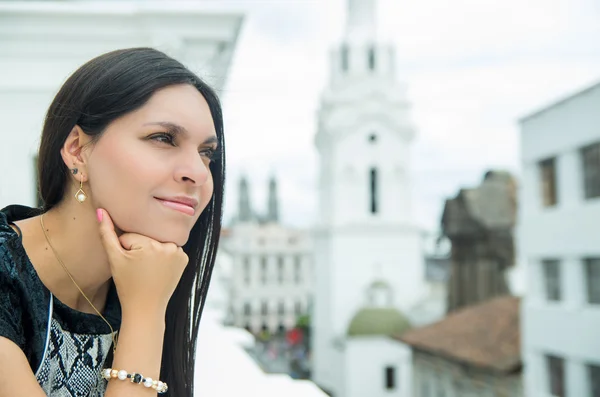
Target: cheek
120	174
206	192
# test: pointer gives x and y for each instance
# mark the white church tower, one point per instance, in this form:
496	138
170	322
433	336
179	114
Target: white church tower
365	234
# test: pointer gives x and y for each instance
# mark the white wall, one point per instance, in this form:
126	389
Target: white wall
568	232
366	360
437	376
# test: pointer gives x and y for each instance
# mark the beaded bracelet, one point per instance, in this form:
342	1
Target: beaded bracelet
157	385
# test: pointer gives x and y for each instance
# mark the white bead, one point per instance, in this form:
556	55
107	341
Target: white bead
106	373
122	374
81	197
159	386
148	382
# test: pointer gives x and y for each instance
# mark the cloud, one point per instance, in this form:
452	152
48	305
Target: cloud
472	68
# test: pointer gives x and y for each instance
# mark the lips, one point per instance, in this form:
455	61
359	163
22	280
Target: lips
186	205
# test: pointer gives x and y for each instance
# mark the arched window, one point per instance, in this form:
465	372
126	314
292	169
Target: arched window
379	294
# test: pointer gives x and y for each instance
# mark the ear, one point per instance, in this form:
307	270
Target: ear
73	151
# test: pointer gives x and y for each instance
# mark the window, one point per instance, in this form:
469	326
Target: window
548	185
247	309
297	269
264	308
371	57
246	270
263	269
556	375
280	269
298	308
594	380
590	157
344	55
281	308
373	189
390	378
551	270
592	273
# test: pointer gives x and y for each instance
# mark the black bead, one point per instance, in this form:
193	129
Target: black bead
128	376
137	378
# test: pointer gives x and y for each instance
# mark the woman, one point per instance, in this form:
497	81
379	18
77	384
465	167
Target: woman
102	288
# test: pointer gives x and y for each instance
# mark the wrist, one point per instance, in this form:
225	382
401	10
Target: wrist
140	316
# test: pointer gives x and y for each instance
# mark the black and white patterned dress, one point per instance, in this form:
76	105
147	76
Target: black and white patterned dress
66	349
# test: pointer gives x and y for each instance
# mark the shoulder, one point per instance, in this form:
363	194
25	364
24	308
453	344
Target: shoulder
12	254
22	297
13	258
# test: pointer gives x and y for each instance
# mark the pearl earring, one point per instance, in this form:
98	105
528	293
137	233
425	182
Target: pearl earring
80	195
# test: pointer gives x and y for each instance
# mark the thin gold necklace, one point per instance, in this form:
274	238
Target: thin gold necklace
114	337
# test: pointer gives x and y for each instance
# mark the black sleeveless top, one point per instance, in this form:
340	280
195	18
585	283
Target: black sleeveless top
66	348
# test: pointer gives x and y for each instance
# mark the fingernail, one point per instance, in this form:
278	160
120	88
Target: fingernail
99	214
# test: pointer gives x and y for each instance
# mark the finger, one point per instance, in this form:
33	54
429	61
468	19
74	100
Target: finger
109	238
133	241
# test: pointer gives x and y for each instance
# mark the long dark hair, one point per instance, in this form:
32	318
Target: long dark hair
108	87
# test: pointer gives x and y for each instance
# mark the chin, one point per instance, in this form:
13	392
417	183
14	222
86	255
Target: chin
177	238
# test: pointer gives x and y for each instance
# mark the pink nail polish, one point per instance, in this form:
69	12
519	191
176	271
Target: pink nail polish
99	214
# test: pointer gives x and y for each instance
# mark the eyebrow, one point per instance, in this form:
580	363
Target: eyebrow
178	129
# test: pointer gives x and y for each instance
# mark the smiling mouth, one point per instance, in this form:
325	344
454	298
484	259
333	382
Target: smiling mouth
183	208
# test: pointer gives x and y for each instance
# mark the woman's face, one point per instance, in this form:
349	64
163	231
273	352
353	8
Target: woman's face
150	169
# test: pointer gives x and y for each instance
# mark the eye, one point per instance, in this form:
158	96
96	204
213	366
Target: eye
209	153
164	137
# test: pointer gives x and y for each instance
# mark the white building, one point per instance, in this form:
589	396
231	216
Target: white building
43	42
368	252
560	244
272	276
223	366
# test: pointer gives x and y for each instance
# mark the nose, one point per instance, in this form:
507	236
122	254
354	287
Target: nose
192	169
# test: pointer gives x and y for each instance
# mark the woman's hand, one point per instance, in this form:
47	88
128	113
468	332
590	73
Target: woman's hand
145	271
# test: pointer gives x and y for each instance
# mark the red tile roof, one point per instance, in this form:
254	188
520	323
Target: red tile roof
486	335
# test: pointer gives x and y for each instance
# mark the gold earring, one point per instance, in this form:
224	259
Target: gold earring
80	195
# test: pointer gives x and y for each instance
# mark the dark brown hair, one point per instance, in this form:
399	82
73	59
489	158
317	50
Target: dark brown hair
102	90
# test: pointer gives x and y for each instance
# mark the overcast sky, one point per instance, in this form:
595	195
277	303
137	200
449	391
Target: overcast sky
473	68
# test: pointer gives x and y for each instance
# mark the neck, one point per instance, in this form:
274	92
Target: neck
73	233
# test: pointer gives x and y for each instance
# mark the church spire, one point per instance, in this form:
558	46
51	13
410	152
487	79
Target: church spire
244	209
362	20
273	204
362	54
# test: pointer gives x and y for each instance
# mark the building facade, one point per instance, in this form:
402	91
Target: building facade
364	233
559	242
473	352
272	267
44	42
